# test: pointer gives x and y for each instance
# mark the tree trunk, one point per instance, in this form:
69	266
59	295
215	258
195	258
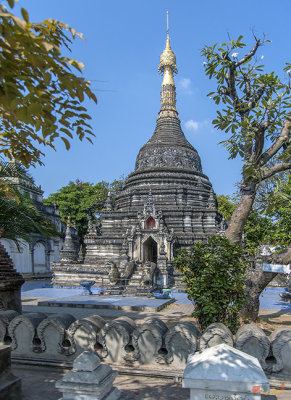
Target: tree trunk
240	215
256	281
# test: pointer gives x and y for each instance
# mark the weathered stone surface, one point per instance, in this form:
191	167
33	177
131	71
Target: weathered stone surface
252	340
89	380
86	361
147	340
281	347
38	337
223	372
10	386
5	318
52	334
180	341
215	334
83	334
116	339
22	330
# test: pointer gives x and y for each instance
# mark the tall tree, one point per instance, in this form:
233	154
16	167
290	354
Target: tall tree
40	95
256	116
82	200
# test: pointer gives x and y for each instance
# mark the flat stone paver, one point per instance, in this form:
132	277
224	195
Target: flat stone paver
112	302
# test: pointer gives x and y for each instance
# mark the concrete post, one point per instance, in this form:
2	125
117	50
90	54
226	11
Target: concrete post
225	373
89	380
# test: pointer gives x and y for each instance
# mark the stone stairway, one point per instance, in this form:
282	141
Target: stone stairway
130	287
8	275
136	277
10	283
135	286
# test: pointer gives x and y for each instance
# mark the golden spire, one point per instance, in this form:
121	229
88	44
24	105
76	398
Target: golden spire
168	68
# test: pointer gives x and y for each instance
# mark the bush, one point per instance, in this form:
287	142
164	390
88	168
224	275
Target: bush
214	273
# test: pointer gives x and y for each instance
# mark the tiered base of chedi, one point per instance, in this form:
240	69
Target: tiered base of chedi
166	204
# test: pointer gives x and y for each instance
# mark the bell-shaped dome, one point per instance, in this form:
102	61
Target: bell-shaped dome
168	148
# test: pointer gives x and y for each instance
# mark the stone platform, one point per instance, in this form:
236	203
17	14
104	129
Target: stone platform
115	303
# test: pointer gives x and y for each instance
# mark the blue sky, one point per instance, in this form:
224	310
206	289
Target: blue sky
124	40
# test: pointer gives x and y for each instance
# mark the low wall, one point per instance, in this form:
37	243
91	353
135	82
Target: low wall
150	345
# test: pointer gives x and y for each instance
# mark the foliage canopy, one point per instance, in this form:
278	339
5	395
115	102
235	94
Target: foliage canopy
254	111
214	273
40	95
19	217
81	200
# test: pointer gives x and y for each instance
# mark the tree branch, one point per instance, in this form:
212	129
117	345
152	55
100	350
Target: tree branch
274	170
230	79
282	139
259	140
259	92
250	54
284	257
247	85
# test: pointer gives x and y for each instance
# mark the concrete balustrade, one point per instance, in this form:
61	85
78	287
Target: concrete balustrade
5	318
215	334
22	331
147	341
83	334
252	340
180	341
52	333
60	338
281	349
116	339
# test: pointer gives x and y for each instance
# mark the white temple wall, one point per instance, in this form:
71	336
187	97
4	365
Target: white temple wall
21	257
37	258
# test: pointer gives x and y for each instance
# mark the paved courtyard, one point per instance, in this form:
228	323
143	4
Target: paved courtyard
39	383
272	309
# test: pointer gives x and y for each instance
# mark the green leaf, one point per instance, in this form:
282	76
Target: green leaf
24	14
11	3
34	108
67	143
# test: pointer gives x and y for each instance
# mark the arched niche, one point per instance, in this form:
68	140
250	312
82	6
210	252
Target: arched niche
39	257
150	223
150	250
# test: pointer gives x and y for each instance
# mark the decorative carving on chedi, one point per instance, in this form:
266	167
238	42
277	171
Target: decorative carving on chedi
168	157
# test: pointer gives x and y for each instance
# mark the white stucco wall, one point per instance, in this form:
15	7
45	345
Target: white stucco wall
20	257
